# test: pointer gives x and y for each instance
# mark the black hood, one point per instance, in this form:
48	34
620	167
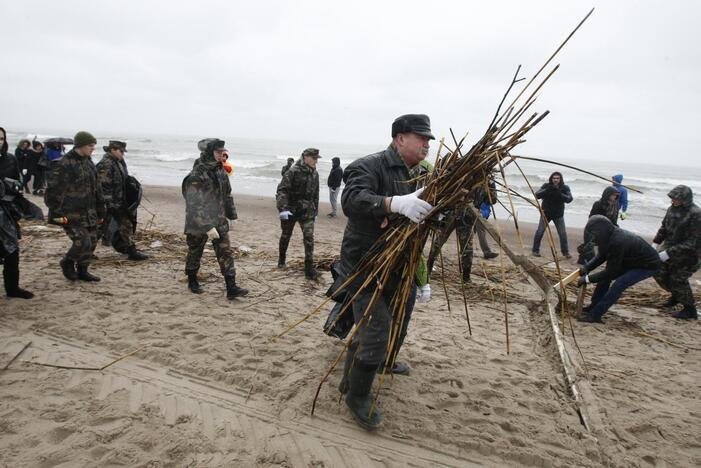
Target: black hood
3	149
608	191
600	229
335	162
562	179
683	193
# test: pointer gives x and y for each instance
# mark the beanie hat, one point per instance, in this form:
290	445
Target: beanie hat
83	138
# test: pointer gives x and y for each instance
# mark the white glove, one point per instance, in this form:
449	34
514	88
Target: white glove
411	206
284	215
655	245
425	293
213	234
24	172
664	256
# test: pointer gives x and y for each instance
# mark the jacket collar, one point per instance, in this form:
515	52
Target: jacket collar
393	158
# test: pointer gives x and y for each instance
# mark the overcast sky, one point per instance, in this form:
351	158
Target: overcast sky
627	89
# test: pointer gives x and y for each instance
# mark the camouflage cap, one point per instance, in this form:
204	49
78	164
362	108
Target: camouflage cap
412	123
115	144
313	152
83	138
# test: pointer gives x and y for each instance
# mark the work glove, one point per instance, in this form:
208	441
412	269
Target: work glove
285	214
664	256
62	220
624	215
213	234
24	172
655	245
583	270
486	210
411	206
583	280
425	293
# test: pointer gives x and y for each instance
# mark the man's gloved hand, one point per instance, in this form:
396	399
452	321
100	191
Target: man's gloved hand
411	206
655	245
583	270
62	220
624	215
583	280
285	215
425	293
24	172
664	256
213	234
486	210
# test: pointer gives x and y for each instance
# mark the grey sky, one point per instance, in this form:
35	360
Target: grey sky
628	87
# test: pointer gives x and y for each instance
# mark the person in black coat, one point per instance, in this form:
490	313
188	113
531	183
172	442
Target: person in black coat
607	206
334	183
629	260
554	195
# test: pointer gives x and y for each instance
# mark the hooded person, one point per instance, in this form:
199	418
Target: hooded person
23	154
9	167
209	205
554	195
679	241
623	199
334	182
629	260
606	206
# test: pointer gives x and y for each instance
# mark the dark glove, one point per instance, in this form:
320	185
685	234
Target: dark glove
583	270
583	280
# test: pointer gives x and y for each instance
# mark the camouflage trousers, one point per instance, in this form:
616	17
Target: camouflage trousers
674	277
84	242
222	249
117	231
307	226
465	229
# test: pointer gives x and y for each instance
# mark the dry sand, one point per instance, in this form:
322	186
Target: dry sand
208	386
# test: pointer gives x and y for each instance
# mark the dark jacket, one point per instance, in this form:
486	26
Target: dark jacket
9	229
9	168
23	156
336	174
621	250
113	174
285	168
208	199
680	233
554	198
368	181
74	191
298	191
604	208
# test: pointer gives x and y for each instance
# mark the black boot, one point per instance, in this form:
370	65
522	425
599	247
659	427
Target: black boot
11	278
343	384
359	398
398	368
192	282
309	271
688	312
669	303
490	255
282	248
281	260
136	254
233	291
68	269
85	275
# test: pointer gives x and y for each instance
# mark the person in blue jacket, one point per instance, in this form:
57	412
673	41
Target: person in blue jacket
623	198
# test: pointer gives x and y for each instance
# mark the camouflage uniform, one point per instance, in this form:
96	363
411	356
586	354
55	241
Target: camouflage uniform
298	192
463	222
74	192
118	228
209	204
680	237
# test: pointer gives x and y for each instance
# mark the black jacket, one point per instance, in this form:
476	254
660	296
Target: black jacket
554	198
336	174
621	250
9	168
9	229
604	208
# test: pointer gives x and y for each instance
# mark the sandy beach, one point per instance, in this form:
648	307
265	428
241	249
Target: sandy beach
207	385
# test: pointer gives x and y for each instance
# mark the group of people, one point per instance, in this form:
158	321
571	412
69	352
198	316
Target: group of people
91	201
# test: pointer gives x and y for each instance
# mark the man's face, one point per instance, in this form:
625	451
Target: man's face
2	138
219	155
677	202
412	147
310	161
86	150
117	153
556	180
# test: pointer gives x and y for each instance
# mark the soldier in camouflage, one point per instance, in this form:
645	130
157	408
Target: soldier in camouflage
298	202
118	228
209	207
74	198
679	237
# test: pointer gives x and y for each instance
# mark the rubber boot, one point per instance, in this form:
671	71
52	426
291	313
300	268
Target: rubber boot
687	313
669	303
85	275
68	269
398	368
136	254
309	271
490	255
283	252
192	282
281	260
359	397
233	291
11	278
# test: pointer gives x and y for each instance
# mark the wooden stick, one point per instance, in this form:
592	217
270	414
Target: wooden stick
16	356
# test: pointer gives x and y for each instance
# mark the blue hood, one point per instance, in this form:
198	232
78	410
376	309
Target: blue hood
618	178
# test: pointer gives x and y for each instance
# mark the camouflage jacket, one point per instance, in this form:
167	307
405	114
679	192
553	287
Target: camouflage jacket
74	191
208	199
112	173
680	232
298	191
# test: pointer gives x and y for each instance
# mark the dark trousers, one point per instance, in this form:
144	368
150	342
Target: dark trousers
605	295
38	183
674	277
561	232
307	227
10	272
222	249
84	243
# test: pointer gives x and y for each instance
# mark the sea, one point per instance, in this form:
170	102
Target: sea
166	160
